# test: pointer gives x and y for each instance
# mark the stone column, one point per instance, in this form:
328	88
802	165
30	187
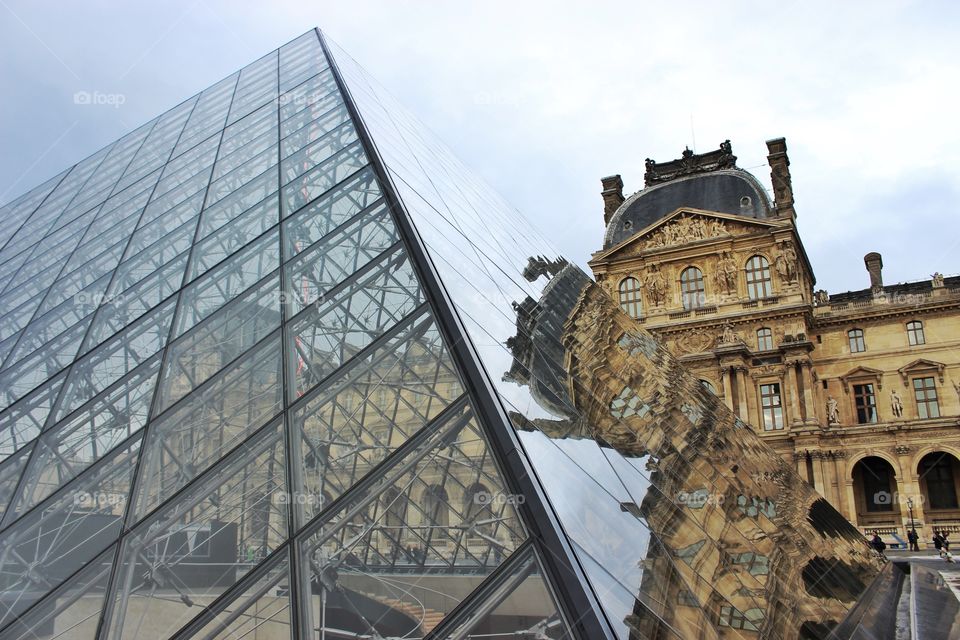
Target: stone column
851	500
818	483
725	373
809	400
908	486
743	409
794	391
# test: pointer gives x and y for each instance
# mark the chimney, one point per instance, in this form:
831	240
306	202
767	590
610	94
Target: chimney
780	178
874	266
612	196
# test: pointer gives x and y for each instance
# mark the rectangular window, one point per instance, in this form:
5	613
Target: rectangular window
866	402
925	392
915	333
857	344
771	407
764	339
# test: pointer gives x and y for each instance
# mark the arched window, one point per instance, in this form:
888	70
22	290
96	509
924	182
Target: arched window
692	289
630	297
855	337
764	339
708	386
915	333
436	506
758	278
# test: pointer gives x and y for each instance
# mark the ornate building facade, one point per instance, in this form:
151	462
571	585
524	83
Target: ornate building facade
861	390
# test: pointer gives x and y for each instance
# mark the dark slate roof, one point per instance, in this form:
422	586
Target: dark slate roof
720	191
902	289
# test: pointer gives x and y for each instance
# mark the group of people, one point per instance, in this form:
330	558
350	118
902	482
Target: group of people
940	542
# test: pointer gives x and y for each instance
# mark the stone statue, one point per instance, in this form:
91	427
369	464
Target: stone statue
937	279
896	403
786	263
821	297
729	336
956	387
726	274
656	285
833	411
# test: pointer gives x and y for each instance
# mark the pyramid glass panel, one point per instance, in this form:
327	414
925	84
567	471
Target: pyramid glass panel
294	371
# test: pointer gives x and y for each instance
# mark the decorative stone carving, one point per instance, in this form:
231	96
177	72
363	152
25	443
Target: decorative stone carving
821	297
896	403
725	277
690	163
902	449
833	411
695	341
540	266
937	280
686	229
956	387
655	285
729	336
786	262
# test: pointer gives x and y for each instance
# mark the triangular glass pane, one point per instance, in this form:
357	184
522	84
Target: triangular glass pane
216	417
72	612
199	544
382	400
441	507
48	544
261	610
519	605
10	471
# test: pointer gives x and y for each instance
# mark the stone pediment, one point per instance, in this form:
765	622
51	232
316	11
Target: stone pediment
685	226
919	366
862	373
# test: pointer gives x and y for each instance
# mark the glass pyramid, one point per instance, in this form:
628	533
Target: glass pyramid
277	365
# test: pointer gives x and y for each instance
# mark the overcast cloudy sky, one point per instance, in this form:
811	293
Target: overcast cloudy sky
545	98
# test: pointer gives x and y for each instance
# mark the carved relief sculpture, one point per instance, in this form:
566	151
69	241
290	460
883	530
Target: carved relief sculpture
937	280
896	403
821	297
686	229
833	411
729	336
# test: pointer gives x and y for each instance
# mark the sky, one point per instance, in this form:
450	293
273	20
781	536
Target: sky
545	98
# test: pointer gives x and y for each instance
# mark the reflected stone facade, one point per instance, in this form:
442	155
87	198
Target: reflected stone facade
295	372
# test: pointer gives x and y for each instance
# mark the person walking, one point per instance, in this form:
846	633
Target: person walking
913	538
937	542
878	544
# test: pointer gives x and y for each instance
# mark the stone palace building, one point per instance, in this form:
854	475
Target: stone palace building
860	389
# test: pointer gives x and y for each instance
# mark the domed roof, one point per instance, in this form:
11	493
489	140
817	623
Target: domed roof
726	191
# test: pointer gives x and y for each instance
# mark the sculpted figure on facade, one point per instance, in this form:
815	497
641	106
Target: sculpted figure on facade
937	280
786	262
896	403
821	297
726	274
656	285
686	229
833	411
729	336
